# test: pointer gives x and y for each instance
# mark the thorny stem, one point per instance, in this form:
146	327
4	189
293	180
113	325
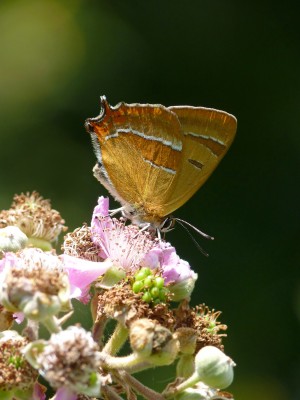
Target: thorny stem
127	362
140	388
132	363
65	318
116	340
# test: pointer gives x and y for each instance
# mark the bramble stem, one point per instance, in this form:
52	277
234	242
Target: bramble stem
52	324
110	393
146	392
191	381
131	362
116	340
42	244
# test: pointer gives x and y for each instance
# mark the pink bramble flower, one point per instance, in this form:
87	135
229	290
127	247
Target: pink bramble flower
124	244
132	249
35	283
40	284
176	272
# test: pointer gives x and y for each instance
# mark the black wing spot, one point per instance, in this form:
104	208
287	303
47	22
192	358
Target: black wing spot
196	163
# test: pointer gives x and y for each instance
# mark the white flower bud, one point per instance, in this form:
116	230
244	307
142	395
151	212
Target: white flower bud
202	392
12	239
213	367
183	288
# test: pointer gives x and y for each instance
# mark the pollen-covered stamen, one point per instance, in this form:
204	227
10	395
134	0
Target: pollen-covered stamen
124	244
34	216
15	371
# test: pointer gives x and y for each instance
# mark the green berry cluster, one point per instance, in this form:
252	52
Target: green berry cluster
151	286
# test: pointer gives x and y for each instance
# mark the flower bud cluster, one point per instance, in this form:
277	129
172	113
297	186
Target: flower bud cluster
132	276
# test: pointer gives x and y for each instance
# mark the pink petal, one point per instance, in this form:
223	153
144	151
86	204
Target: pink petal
101	210
152	258
19	317
170	274
65	393
169	256
83	272
39	392
178	273
185	270
9	260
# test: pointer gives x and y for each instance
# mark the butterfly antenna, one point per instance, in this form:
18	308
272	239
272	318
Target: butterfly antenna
182	222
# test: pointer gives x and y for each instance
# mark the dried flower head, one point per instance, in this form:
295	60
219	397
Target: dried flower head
69	361
35	283
34	216
187	338
15	372
204	322
122	304
79	244
153	341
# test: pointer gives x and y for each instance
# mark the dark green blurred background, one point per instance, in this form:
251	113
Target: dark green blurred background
58	57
